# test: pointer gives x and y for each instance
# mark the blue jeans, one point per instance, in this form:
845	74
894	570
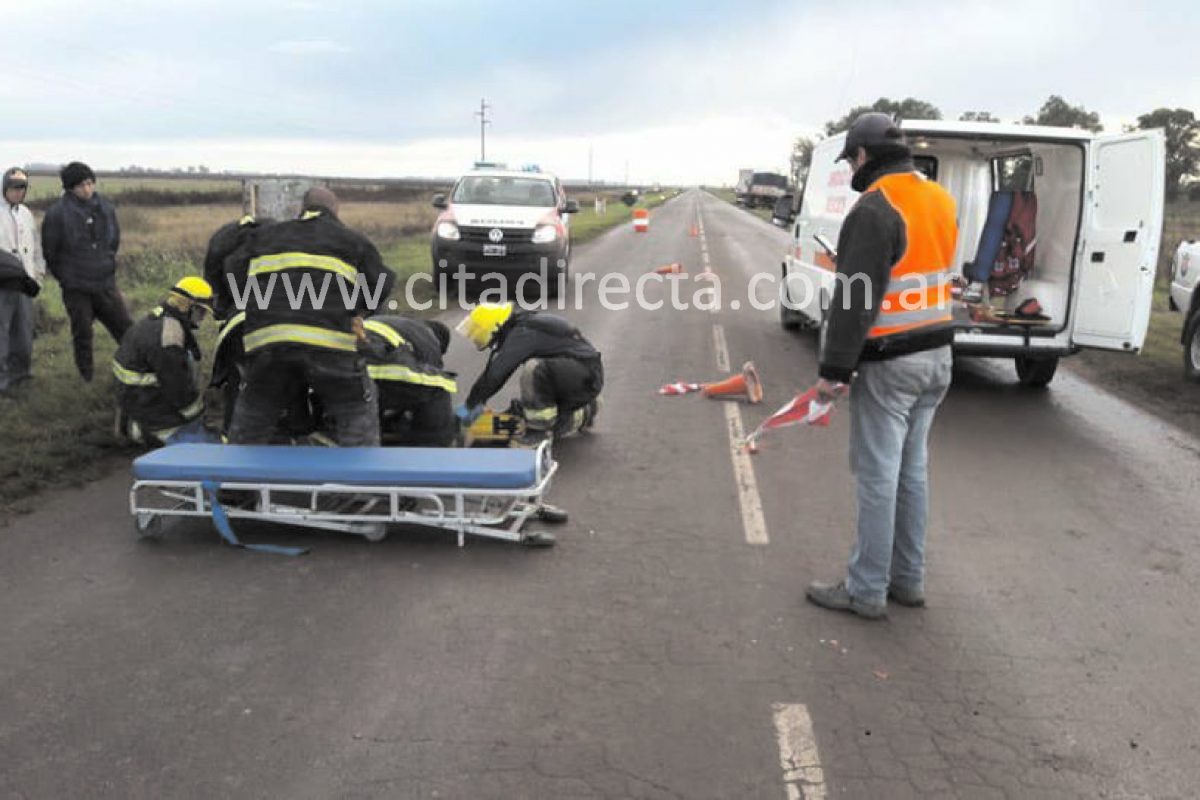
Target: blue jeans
892	404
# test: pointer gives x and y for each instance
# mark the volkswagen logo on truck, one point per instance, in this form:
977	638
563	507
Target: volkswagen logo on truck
496	235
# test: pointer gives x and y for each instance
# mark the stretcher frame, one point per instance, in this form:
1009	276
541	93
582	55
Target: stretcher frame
349	508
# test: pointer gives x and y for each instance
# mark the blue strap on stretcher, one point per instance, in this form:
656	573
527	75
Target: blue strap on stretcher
221	523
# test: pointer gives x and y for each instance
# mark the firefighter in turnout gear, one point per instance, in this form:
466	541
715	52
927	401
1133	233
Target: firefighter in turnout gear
404	358
226	241
160	399
315	280
561	373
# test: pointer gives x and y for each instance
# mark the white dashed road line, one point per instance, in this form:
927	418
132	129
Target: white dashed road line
803	777
754	524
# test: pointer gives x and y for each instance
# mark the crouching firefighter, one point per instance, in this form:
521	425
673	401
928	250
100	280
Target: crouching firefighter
160	397
404	358
561	373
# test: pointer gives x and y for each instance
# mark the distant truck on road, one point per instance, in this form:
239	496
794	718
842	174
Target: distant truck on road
755	189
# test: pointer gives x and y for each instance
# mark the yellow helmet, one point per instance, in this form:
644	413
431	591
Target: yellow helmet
195	289
483	322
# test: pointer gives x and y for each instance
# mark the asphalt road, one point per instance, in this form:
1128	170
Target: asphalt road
663	649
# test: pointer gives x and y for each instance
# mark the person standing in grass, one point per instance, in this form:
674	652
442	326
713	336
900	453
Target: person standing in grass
21	277
80	239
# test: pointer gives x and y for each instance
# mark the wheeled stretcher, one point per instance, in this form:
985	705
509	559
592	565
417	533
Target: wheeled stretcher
360	490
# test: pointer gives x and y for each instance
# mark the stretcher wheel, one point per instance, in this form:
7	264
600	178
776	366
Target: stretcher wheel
148	526
538	539
375	532
552	514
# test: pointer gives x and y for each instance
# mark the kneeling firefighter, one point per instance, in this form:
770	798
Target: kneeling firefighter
161	395
404	358
561	372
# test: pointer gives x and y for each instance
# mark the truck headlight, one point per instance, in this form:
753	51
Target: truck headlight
448	230
544	234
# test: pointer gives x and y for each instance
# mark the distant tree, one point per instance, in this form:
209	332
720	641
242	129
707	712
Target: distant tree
977	116
801	160
1059	113
1182	131
908	108
203	169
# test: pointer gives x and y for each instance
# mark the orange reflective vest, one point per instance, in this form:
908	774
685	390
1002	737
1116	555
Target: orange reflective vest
918	292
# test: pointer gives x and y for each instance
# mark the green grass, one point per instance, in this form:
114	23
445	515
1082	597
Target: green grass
1154	378
57	430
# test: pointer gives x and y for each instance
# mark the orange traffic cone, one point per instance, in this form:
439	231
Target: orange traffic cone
747	385
670	269
695	231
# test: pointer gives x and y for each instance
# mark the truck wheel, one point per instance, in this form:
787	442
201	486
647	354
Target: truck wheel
1036	372
1191	347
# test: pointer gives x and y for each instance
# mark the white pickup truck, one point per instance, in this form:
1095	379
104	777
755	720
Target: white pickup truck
1185	274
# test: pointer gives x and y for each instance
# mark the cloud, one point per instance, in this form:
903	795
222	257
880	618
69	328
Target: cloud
308	47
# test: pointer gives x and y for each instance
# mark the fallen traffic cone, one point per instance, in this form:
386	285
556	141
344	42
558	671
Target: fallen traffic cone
747	385
670	269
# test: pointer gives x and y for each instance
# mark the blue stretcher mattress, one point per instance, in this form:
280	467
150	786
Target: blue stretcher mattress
425	467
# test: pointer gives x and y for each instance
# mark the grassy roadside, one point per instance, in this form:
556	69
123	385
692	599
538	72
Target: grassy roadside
57	430
1153	379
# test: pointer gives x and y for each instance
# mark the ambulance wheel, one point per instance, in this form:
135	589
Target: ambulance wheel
148	526
1036	372
1191	347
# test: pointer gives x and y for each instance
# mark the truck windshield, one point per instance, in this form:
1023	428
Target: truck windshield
503	191
770	179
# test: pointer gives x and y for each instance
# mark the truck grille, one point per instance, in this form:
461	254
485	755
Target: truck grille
511	235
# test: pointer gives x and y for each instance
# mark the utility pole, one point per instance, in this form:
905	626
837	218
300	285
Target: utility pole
589	166
483	121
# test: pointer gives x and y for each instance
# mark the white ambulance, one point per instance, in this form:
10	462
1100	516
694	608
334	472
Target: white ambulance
1097	203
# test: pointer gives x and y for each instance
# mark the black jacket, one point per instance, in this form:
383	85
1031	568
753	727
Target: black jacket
872	241
317	234
161	345
224	243
527	335
426	345
80	242
13	276
420	354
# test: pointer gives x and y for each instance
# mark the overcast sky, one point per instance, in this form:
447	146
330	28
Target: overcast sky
681	92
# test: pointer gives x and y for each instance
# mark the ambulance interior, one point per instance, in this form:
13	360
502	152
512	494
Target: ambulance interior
982	173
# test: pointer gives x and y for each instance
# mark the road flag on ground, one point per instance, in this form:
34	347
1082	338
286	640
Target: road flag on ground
680	388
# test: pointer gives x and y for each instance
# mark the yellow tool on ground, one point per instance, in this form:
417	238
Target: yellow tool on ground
494	429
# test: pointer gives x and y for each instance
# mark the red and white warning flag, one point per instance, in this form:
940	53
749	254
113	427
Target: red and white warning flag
680	388
803	409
